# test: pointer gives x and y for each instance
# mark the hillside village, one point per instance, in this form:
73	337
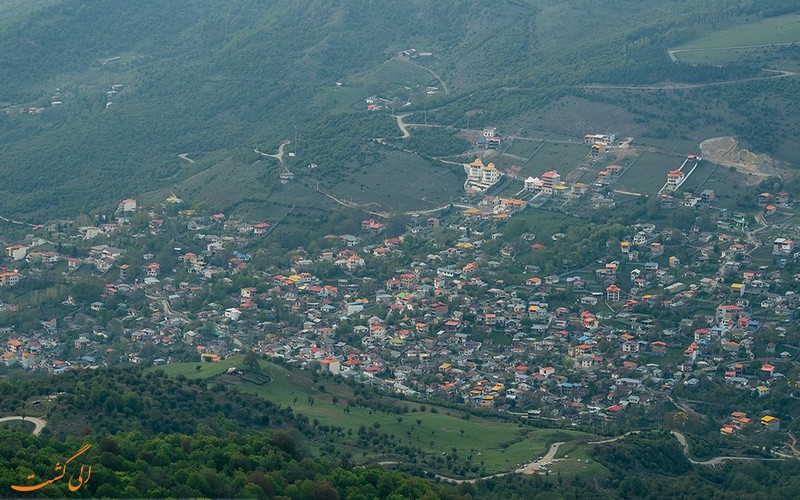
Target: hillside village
444	310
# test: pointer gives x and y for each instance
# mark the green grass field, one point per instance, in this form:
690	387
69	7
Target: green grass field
399	73
649	173
562	157
400	181
499	445
696	182
726	184
545	223
781	29
742	42
573	459
200	370
523	148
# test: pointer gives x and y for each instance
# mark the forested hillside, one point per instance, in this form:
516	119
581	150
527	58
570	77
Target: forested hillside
101	98
129	465
158	436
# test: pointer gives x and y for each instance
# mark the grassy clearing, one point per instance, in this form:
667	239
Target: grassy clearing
200	370
696	182
725	56
400	73
544	223
400	181
498	445
745	43
649	173
555	156
727	186
341	99
573	460
781	29
523	148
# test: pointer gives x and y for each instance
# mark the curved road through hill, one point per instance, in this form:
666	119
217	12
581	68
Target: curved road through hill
402	125
681	86
672	52
533	467
37	422
716	460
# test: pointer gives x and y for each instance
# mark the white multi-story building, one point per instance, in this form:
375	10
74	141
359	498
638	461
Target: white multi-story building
480	177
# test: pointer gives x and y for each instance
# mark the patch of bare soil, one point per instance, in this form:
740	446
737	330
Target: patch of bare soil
725	151
626	152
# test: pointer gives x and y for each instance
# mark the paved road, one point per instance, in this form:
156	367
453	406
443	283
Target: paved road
37	422
716	460
278	156
402	125
533	467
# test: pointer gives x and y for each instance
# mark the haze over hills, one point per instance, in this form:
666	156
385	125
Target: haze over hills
219	80
312	288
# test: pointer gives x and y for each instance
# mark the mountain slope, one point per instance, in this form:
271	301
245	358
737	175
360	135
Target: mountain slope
215	80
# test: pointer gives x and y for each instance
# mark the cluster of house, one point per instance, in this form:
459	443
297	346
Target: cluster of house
550	183
441	326
489	140
600	144
738	421
112	94
495	208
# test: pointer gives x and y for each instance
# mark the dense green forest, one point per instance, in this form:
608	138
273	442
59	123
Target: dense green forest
153	435
276	463
129	464
214	80
111	401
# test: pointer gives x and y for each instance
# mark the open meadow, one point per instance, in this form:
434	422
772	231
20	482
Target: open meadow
649	173
769	31
498	445
561	157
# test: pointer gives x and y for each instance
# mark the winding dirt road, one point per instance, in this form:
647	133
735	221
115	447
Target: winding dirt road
672	52
549	457
777	73
435	75
681	86
37	422
278	156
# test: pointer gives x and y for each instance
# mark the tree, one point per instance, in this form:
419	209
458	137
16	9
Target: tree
251	361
